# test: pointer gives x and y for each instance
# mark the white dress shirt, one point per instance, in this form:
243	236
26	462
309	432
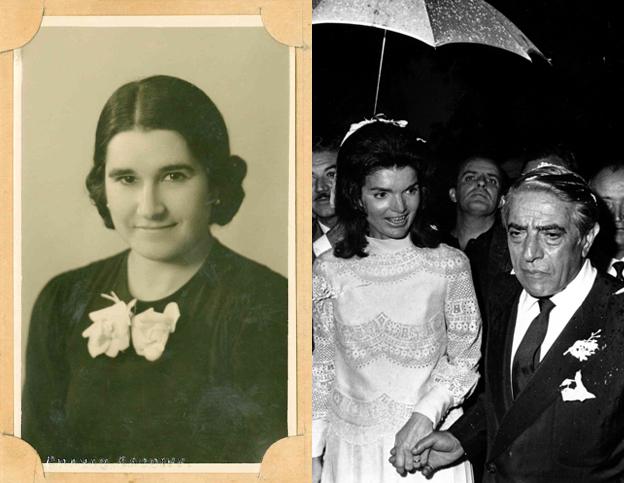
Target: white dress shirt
566	303
611	270
321	245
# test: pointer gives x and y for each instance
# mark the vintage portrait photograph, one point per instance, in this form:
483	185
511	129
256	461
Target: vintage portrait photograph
468	241
153	241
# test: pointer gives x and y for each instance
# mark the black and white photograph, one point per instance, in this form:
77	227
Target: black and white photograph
467	241
153	260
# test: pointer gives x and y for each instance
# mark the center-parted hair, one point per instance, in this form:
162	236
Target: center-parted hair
376	146
566	185
169	103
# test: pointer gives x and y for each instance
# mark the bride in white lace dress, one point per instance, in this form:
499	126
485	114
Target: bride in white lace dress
397	329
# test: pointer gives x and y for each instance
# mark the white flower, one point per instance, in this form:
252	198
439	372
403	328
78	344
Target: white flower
110	331
584	348
151	329
574	390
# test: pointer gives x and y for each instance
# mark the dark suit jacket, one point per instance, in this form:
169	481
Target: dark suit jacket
539	437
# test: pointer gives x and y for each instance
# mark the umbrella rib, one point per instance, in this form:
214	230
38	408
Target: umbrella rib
529	45
428	20
381	59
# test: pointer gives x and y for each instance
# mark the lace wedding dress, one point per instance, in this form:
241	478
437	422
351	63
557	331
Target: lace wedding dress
396	332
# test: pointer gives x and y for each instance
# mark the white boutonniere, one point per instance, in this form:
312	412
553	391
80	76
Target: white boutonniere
113	327
574	389
584	348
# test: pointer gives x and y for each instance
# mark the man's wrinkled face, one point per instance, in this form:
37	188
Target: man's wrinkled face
478	187
546	248
323	179
609	185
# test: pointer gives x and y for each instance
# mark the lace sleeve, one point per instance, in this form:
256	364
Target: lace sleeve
457	369
323	355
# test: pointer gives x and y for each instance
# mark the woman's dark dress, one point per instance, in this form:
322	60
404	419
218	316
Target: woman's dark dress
217	393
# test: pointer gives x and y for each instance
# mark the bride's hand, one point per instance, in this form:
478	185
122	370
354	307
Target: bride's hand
317	469
417	427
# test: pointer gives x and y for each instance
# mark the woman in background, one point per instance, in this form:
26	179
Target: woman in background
175	349
396	323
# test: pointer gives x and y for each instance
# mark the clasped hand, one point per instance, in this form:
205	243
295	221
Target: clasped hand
418	448
417	427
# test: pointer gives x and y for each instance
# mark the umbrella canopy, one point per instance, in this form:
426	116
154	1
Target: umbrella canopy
434	22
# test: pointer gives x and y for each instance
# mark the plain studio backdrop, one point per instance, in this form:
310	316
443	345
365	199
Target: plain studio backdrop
68	75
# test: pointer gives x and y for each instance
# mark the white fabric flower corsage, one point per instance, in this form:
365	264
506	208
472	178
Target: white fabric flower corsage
150	330
584	348
110	331
574	390
113	327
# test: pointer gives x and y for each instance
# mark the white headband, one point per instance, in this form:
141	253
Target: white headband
378	118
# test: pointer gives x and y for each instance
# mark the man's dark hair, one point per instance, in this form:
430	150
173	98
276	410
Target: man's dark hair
461	165
326	143
565	185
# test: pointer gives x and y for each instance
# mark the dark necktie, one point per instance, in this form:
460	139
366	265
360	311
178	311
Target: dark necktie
527	356
619	268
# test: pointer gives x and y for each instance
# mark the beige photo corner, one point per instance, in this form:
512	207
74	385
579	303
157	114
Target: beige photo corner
288	22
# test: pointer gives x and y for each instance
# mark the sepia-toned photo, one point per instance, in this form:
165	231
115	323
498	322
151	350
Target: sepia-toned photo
153	242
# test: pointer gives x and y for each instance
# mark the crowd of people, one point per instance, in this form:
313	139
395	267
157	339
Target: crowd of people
486	346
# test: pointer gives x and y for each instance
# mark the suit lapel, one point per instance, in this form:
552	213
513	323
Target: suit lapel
506	396
502	321
317	231
543	388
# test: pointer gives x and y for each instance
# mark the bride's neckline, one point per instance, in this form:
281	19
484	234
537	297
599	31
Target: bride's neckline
389	244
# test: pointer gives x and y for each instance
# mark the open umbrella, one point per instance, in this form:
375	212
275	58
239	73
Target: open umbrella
434	22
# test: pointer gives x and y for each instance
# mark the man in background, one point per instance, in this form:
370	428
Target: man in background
324	219
476	194
608	183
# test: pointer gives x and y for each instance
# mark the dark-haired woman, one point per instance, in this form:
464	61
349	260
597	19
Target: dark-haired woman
175	349
396	323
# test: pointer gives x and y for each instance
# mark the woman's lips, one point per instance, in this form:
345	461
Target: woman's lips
156	228
397	220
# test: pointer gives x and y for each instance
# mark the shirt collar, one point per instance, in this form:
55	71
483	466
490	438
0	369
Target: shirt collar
570	297
324	228
613	260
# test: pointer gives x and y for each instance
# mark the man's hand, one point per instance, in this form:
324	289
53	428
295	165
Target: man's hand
435	451
417	427
317	469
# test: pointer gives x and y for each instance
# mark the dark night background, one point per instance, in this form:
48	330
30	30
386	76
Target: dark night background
471	97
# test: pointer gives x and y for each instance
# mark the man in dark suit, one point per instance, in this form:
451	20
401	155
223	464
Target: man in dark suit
324	219
553	406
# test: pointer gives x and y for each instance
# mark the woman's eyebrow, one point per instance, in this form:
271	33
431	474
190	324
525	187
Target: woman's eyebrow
120	172
177	167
